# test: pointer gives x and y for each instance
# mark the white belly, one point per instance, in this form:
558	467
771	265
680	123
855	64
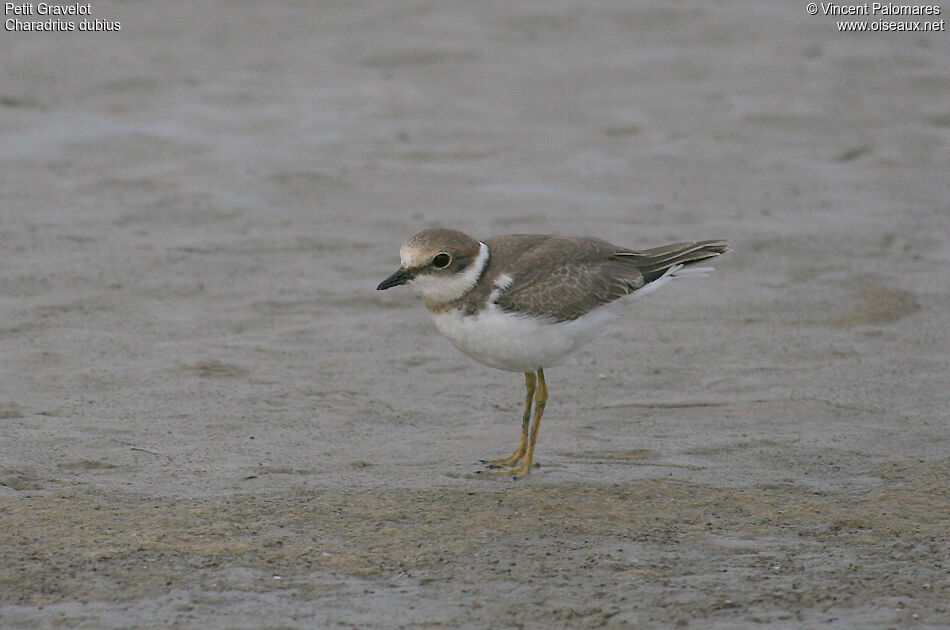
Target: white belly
517	343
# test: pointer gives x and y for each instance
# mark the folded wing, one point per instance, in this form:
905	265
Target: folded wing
569	277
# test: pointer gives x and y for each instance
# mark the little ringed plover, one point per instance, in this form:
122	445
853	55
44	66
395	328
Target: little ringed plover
523	302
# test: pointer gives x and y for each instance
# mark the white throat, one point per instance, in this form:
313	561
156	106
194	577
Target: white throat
441	288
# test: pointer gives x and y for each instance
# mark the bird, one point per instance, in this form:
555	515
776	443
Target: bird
524	302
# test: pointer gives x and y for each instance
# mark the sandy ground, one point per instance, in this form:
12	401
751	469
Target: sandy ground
210	418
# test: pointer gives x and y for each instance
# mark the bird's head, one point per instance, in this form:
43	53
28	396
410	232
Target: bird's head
439	264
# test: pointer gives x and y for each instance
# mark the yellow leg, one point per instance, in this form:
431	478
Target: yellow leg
540	399
530	382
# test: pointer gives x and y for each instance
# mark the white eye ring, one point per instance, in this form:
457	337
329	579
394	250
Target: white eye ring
441	260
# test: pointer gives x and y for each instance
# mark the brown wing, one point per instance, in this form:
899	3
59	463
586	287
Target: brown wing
569	277
565	278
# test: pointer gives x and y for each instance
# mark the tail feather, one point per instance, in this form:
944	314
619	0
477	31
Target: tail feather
655	263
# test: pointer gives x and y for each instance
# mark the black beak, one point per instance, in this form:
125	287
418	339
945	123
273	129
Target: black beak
400	277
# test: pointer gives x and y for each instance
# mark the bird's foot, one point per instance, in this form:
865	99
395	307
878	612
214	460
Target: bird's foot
505	462
517	471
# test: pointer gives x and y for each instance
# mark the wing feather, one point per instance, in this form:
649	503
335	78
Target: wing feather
565	278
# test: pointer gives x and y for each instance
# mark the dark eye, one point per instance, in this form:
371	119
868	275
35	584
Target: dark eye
441	260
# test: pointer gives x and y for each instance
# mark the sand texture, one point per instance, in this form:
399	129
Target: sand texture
209	417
